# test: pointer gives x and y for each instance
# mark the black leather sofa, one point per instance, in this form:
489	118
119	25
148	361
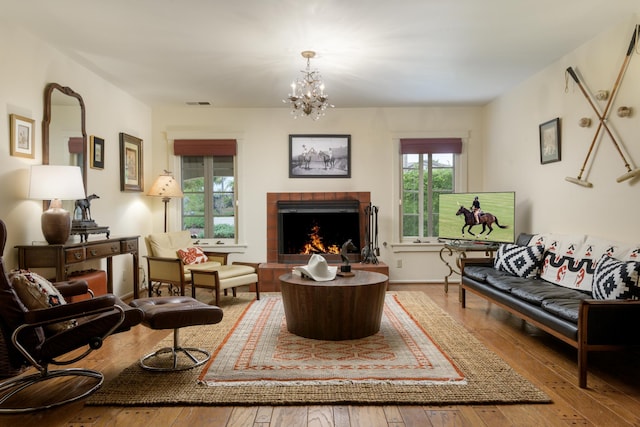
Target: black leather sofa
568	314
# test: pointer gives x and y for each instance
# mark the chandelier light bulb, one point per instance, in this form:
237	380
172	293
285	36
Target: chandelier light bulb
307	95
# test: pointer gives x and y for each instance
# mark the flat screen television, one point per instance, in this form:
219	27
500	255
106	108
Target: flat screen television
497	221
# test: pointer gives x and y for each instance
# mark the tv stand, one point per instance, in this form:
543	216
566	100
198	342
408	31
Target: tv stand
471	244
459	249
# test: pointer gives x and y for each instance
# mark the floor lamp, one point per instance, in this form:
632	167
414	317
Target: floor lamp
165	186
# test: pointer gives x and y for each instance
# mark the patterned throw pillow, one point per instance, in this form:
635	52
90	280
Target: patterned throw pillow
571	262
36	292
192	255
521	261
568	271
614	279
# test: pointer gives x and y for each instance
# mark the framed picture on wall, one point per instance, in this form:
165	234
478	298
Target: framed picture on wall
319	156
22	138
550	141
96	148
131	163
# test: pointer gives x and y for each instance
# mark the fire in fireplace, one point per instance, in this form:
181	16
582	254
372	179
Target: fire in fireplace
317	226
315	244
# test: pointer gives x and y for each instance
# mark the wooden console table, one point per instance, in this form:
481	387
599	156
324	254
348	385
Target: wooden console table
460	250
61	257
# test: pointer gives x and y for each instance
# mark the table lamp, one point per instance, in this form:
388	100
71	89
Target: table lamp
165	186
56	183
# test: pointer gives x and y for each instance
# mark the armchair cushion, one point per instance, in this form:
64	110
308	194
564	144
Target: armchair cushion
201	266
229	271
192	255
36	292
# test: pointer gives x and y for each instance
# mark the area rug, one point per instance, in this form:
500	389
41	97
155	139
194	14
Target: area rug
261	349
420	356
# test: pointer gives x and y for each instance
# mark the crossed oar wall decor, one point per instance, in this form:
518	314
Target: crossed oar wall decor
604	117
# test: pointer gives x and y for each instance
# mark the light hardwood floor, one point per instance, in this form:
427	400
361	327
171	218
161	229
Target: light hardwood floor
612	399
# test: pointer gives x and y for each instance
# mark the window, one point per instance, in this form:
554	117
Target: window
208	206
428	170
209	187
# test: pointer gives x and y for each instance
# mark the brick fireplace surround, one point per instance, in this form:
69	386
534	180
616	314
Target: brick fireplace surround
271	270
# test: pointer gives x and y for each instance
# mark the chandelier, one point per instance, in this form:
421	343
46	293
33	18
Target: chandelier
307	93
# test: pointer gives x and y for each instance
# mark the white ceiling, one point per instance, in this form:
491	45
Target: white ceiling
383	53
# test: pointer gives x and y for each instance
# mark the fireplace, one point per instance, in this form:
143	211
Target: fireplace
307	227
270	271
279	203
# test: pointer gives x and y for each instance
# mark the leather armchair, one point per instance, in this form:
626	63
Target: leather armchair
26	341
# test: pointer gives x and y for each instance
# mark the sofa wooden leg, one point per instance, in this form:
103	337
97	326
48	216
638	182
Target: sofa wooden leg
463	297
583	344
582	367
257	290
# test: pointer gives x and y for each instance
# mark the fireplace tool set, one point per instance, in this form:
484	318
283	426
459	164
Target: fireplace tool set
371	251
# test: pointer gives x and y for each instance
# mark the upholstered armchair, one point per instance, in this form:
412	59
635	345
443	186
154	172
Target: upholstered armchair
39	337
173	259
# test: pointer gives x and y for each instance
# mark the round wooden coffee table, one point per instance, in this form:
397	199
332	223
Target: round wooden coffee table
342	309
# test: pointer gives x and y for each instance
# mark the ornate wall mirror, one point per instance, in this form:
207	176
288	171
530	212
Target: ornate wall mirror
64	137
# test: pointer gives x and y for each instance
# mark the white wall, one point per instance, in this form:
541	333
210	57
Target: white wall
263	146
546	202
28	65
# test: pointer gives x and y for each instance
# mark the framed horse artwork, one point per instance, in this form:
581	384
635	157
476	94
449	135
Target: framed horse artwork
319	156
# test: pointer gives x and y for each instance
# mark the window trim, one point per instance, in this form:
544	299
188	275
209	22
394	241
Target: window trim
205	147
209	167
460	178
174	134
424	157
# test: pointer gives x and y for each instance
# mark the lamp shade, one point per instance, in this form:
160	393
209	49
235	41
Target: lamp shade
166	186
48	182
56	183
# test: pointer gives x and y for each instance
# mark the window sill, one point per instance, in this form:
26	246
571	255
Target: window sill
422	246
236	248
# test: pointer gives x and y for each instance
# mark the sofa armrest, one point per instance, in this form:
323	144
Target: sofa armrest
606	322
162	259
475	261
255	265
70	311
161	268
72	288
604	325
221	257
